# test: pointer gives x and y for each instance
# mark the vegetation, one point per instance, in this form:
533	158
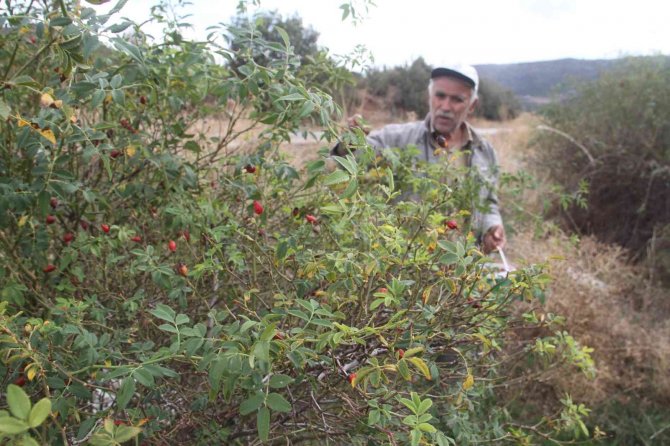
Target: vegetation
611	136
161	284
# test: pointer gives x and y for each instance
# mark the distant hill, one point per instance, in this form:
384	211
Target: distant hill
534	82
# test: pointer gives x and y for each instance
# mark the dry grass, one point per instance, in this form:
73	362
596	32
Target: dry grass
610	306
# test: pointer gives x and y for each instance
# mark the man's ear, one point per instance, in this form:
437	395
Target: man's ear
472	107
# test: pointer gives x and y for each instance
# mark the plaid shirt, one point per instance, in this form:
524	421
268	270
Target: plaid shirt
481	156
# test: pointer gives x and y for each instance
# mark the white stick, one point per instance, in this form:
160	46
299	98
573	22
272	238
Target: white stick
504	260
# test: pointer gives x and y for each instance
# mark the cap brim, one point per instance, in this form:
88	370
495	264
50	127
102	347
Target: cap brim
439	72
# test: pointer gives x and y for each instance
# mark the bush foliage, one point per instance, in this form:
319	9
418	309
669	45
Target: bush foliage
613	135
160	285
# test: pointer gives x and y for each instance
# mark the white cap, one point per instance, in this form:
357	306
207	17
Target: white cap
466	73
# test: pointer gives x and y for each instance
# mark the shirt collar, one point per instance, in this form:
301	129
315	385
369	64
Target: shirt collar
465	127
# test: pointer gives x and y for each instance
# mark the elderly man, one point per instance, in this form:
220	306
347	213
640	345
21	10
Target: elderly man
445	132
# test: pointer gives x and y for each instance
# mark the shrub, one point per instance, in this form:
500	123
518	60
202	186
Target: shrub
613	134
160	285
496	103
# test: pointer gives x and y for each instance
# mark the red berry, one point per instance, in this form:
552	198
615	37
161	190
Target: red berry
182	269
119	422
105	228
83	224
68	237
20	381
143	100
53	202
172	245
250	168
310	218
382	290
295	212
33	39
137	239
50	219
49	268
451	224
401	353
115	154
186	235
258	208
351	377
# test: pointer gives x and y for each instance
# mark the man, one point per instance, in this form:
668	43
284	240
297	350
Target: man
452	97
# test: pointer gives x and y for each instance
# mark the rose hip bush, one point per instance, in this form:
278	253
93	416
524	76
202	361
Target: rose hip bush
159	286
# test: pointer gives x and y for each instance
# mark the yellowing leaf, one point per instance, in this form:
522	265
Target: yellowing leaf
421	365
46	100
23	220
49	135
23	122
30	373
426	294
469	382
131	151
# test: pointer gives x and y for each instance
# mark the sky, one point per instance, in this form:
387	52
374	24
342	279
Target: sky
396	32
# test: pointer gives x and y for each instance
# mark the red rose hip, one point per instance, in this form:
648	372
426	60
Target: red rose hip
258	208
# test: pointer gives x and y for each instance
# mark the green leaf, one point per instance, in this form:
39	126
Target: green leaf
263	423
403	369
169	328
144	377
125	393
349	163
29	441
268	333
251	404
424	406
262	350
163	312
4	110
129	49
181	319
124	433
339	176
39	412
10	425
292	97
279	381
425	427
18	401
60	21
284	35
278	403
119	27
351	189
415	436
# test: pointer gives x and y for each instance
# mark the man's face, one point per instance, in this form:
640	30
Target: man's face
450	104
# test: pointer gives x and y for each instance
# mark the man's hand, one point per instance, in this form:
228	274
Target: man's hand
494	239
357	122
